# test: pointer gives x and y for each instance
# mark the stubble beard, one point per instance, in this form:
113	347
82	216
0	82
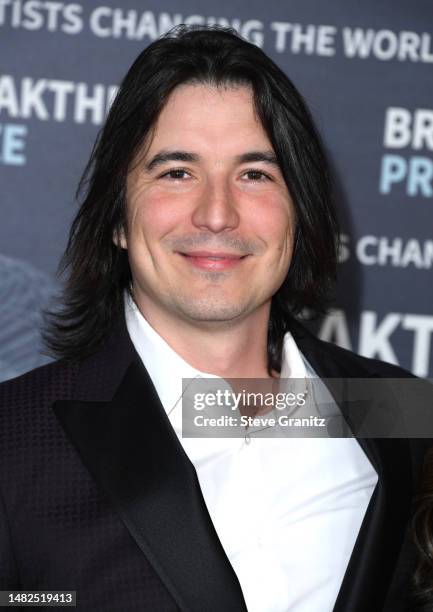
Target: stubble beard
215	306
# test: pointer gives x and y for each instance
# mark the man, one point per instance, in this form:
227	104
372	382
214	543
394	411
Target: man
206	226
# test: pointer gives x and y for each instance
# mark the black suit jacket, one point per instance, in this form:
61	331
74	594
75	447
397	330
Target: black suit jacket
98	496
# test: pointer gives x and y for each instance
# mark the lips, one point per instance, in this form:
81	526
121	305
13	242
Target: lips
213	260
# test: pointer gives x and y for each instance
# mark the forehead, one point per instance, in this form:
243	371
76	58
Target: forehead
210	118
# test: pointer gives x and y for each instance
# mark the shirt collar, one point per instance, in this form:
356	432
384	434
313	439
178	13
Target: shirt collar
162	362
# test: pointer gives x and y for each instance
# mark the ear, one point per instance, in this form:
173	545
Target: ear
119	238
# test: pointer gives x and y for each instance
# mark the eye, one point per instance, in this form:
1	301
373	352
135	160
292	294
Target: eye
175	174
256	175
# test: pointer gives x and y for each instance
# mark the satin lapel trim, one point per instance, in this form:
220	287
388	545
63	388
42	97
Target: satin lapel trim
375	554
374	558
130	448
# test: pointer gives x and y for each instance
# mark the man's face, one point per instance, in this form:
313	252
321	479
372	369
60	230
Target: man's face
210	222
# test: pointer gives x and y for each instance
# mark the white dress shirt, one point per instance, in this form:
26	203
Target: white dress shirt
287	510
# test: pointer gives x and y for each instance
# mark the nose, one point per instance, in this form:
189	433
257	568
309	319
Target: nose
216	209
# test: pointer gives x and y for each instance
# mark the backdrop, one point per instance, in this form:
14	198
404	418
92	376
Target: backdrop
365	69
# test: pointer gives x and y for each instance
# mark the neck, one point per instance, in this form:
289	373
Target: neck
227	349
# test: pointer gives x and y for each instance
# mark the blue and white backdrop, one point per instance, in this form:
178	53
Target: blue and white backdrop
364	68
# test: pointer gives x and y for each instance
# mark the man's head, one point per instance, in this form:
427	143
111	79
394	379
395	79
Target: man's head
209	220
208	150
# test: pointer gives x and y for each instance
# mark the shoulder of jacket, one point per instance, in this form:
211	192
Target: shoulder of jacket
48	382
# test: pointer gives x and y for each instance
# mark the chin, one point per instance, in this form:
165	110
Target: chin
211	310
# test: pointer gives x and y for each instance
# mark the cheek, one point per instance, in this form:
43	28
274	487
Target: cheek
153	215
274	221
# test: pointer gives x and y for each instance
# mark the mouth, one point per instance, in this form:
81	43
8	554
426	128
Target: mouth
213	260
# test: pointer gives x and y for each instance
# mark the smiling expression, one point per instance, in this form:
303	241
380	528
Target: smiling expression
210	221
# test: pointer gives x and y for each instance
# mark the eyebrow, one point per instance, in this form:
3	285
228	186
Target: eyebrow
268	157
164	156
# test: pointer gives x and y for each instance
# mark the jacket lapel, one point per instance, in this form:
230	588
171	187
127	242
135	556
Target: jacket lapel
130	448
374	558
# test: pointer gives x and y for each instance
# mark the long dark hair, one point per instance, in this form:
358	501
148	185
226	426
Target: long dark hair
97	271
